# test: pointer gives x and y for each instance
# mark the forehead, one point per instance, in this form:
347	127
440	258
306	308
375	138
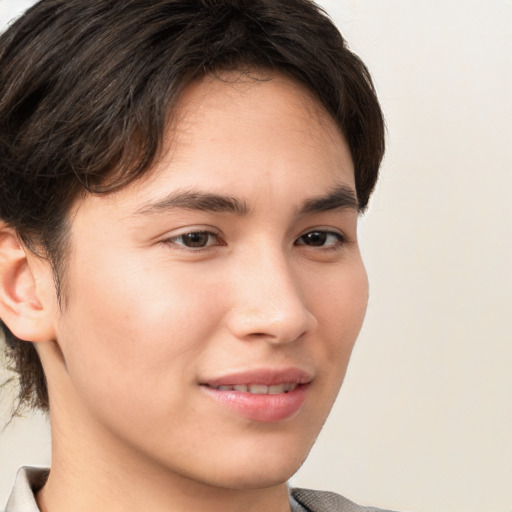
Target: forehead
241	122
247	136
256	93
251	104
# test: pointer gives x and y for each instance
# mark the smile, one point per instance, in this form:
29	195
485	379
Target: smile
264	395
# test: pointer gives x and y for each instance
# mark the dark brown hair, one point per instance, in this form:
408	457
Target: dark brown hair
87	88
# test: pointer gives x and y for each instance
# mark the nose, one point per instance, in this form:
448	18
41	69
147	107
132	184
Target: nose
268	301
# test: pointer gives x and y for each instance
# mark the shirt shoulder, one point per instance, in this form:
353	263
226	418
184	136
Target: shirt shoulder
325	501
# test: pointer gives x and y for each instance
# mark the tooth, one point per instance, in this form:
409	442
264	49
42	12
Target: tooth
258	389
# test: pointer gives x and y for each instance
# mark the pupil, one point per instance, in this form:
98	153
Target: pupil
316	238
196	239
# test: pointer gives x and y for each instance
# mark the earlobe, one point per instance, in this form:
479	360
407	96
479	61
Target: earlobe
24	308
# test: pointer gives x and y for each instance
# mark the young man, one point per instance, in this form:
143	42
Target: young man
180	280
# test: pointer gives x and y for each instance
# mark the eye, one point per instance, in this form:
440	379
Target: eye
319	238
196	239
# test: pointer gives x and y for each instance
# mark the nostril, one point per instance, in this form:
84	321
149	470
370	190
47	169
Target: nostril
276	338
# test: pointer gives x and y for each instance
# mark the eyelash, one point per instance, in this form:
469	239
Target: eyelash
320	235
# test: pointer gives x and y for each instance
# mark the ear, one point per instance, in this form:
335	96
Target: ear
26	290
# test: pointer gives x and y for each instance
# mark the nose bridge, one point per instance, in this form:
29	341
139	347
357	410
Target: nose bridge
268	299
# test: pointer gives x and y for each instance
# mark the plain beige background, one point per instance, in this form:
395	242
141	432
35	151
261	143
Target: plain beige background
424	421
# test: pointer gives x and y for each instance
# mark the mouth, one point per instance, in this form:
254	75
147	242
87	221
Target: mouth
264	396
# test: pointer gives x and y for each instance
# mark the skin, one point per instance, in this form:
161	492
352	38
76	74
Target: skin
148	319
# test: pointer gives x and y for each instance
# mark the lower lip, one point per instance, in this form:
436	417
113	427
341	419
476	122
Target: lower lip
261	408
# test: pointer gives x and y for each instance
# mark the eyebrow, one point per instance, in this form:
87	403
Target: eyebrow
193	200
340	197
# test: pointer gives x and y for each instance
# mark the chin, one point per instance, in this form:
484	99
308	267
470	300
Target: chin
267	470
253	480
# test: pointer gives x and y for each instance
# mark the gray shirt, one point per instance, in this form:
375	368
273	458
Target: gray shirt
30	480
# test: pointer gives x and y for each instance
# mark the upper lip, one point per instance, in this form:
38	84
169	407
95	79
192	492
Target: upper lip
265	376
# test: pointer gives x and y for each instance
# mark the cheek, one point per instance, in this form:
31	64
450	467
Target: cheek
136	328
340	307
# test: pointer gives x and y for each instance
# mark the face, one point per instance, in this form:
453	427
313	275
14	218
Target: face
213	306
